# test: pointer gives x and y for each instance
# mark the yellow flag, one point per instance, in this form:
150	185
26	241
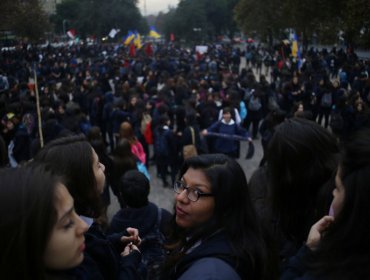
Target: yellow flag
137	40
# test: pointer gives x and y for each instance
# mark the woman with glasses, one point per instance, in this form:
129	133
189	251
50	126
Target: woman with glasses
215	233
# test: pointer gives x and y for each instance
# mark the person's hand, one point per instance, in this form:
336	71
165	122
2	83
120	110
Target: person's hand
129	249
316	231
133	236
204	132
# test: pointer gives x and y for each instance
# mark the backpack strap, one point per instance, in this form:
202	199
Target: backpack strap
192	135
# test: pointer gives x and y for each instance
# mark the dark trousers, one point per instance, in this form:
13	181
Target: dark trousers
163	164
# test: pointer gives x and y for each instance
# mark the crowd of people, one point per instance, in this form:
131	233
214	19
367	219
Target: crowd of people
106	117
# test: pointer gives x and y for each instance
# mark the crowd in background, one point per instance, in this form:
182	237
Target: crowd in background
304	111
85	86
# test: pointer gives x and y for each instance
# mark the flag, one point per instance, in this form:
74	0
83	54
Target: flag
132	51
137	40
71	33
128	39
295	50
149	49
153	33
113	33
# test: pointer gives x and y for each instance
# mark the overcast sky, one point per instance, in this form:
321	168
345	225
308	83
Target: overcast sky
155	6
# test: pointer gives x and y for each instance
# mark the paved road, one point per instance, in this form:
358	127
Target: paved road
164	197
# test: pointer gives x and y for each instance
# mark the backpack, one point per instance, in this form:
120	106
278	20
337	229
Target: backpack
336	122
254	103
152	251
326	100
161	145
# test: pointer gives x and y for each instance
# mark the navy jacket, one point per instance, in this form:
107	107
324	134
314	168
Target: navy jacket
212	259
296	266
223	145
143	219
103	260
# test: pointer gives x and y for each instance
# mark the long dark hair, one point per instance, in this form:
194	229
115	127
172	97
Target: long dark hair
302	157
122	160
72	157
344	252
233	213
27	217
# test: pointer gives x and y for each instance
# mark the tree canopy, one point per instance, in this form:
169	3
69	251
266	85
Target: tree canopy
326	18
24	18
197	20
98	17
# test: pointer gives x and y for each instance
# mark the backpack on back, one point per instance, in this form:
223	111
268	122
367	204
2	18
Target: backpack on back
161	146
336	122
152	251
254	103
326	100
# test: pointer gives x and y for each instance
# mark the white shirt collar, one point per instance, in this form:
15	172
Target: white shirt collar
230	123
89	221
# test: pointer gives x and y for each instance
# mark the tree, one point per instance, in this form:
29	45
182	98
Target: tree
198	20
356	22
263	16
98	17
324	17
25	18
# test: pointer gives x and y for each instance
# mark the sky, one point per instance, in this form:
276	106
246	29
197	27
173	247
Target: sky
155	6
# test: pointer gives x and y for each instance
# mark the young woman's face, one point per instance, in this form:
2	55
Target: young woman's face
133	101
339	194
190	214
65	247
98	168
148	106
226	117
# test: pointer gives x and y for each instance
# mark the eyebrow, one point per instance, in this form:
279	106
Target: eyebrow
66	214
194	185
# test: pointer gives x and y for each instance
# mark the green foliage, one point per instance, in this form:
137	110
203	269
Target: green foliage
355	20
25	18
198	20
324	17
261	16
98	17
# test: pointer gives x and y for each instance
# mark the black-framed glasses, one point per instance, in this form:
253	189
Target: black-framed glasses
193	194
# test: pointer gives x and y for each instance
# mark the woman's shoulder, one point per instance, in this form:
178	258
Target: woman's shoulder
210	268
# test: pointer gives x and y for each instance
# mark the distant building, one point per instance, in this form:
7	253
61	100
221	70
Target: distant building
49	6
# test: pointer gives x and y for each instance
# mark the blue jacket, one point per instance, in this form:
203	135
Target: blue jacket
223	145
